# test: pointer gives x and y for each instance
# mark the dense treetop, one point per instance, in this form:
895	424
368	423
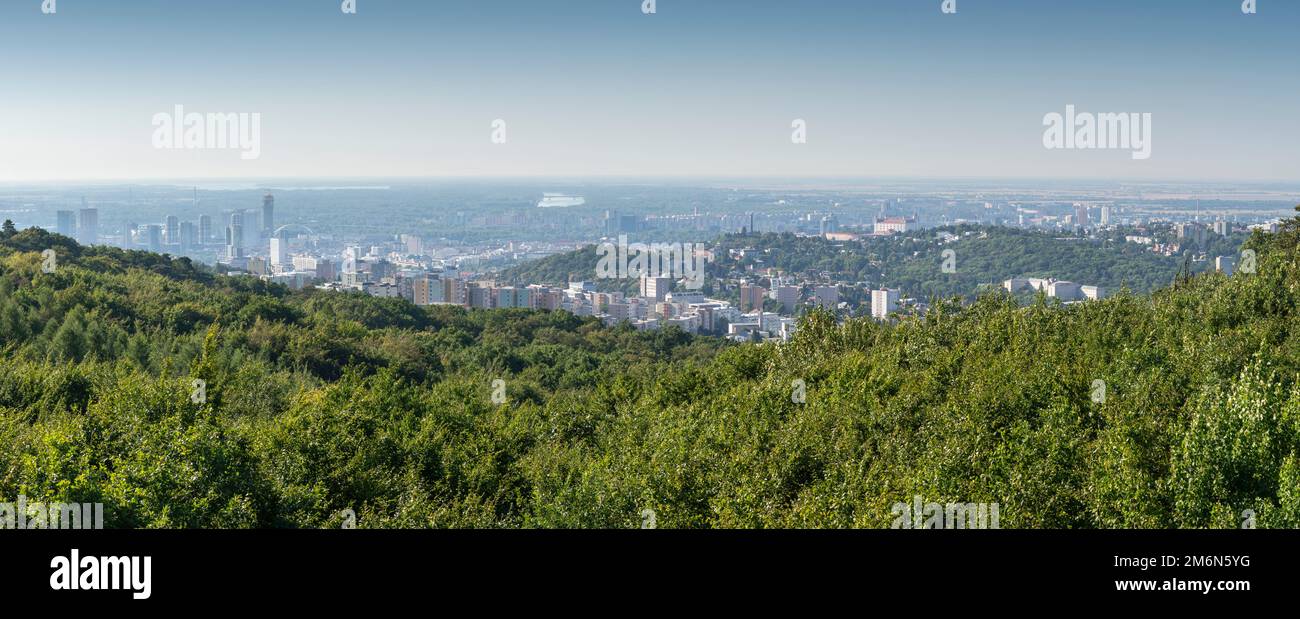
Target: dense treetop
318	403
983	257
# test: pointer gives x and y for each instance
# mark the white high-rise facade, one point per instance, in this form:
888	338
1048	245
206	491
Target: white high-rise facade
279	251
883	302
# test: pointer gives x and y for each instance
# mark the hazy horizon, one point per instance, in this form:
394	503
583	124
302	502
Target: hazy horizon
683	178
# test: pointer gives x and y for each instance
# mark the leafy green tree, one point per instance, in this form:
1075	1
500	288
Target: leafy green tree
1178	408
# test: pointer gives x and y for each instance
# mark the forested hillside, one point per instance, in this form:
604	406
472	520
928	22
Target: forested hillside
983	257
318	403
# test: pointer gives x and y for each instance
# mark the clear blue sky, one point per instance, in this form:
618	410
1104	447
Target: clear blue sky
595	88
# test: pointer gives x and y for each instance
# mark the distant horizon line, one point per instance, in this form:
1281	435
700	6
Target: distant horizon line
698	178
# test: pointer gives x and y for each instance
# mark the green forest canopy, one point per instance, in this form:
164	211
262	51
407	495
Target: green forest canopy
320	402
985	256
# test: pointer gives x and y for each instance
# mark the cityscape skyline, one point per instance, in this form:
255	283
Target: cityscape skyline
744	303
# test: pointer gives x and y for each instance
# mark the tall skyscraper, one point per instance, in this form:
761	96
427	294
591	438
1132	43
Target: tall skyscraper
252	228
829	224
187	236
883	302
235	236
205	228
268	215
248	230
67	224
155	237
87	225
618	223
351	259
173	230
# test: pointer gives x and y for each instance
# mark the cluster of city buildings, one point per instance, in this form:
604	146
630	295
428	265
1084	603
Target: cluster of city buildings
452	273
1049	214
883	224
82	224
1186	234
1194	236
231	235
404	268
887	216
1065	291
656	306
887	302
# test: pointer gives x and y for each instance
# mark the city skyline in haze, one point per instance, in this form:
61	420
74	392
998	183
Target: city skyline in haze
590	89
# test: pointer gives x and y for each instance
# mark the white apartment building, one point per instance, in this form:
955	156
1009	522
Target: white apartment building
1065	291
883	303
1225	264
1056	289
1093	293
